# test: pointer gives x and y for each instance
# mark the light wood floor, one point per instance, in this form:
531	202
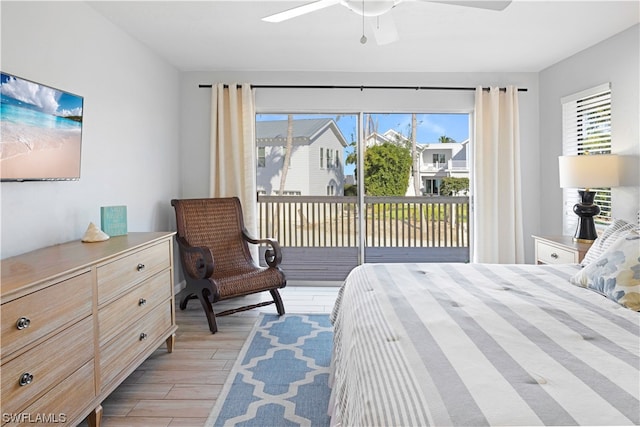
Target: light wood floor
180	388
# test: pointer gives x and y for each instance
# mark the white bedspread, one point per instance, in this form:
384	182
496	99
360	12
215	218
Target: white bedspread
479	344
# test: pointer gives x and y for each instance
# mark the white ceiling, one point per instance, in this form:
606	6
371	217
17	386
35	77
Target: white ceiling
216	35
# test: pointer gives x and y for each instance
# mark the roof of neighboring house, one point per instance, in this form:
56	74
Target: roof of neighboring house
441	146
393	136
390	135
274	132
445	144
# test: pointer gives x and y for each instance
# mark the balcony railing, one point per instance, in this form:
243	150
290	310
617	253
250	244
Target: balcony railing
403	222
458	165
449	166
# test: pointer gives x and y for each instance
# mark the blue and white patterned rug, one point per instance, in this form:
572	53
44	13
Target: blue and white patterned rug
281	375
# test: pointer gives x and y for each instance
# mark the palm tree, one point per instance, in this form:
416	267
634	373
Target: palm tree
445	139
287	154
414	155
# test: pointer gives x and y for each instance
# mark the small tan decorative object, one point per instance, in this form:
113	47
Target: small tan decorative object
94	234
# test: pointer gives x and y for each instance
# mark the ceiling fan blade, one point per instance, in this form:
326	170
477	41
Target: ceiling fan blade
300	10
384	29
480	4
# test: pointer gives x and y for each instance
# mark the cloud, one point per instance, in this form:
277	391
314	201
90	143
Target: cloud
425	124
429	125
74	112
404	124
42	97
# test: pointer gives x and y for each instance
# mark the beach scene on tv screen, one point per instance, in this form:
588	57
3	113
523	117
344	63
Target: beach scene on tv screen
41	131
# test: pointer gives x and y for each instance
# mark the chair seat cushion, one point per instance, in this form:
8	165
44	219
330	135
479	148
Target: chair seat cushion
249	282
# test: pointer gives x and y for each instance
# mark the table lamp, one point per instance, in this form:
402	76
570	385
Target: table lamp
587	171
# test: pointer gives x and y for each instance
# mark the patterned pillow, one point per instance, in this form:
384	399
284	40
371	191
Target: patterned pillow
616	274
609	236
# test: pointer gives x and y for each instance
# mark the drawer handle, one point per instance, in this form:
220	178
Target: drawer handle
25	379
142	302
143	336
23	323
140	267
554	255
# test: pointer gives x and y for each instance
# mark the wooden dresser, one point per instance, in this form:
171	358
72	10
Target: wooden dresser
78	318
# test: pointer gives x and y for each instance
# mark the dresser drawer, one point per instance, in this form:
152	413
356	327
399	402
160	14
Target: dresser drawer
51	362
130	343
64	402
33	316
120	275
550	254
127	309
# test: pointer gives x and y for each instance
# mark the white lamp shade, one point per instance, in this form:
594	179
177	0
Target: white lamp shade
589	171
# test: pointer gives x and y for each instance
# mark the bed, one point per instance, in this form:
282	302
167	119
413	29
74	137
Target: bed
481	344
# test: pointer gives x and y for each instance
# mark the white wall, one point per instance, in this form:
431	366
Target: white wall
131	124
196	108
320	178
615	60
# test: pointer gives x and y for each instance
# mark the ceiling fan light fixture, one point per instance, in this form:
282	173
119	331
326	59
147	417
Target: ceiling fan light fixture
370	7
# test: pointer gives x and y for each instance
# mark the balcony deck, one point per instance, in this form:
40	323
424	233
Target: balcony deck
321	237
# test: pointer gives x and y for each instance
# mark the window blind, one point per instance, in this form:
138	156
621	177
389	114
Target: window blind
586	127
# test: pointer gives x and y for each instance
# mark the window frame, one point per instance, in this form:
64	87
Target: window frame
586	127
439	159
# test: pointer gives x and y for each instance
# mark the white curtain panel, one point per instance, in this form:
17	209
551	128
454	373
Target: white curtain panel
496	183
233	165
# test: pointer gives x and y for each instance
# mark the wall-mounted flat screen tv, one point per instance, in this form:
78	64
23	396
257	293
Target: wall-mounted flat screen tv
41	131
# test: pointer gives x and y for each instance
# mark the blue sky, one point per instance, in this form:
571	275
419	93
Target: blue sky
430	126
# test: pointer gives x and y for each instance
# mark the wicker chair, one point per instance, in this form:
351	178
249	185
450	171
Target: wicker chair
215	256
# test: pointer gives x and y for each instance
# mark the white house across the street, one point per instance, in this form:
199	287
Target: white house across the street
316	166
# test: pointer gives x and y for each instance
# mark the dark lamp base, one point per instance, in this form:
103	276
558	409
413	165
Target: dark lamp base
586	210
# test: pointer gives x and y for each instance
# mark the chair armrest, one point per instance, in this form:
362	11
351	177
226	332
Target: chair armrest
273	255
197	261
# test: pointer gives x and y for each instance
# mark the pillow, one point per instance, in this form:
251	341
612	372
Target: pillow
609	236
615	274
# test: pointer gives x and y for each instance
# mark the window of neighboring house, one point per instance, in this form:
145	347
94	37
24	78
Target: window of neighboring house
432	186
321	158
439	159
261	157
586	128
337	159
329	159
331	190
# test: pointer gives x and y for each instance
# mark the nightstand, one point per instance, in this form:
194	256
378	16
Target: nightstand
559	250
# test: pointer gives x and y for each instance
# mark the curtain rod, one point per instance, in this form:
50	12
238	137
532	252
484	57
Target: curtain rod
363	87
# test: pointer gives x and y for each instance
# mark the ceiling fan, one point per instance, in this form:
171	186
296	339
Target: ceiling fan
384	28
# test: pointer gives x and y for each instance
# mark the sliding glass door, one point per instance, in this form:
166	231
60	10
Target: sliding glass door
416	187
307	192
338	190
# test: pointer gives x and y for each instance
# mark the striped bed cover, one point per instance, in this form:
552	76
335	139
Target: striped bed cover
481	344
